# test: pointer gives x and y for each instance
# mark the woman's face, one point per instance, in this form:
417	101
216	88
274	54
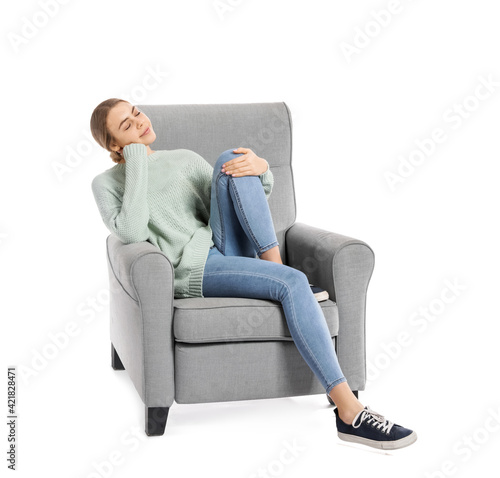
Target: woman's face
129	125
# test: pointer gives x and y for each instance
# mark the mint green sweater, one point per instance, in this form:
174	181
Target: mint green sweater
163	198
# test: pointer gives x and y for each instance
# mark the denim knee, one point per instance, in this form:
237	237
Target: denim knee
224	157
295	279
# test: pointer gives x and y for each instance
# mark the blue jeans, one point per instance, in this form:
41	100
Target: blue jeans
243	229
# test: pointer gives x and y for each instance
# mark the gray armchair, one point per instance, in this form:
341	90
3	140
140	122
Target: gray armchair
212	349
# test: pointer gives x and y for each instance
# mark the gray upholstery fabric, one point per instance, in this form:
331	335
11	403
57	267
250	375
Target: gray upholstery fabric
216	349
228	319
141	319
221	372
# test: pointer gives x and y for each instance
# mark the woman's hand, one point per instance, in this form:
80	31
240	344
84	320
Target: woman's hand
247	165
121	149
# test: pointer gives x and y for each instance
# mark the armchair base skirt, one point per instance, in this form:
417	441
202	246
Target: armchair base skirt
227	371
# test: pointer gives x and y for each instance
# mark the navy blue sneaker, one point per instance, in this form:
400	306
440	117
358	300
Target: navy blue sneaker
372	429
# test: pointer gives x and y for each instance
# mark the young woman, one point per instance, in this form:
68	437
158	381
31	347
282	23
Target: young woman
212	223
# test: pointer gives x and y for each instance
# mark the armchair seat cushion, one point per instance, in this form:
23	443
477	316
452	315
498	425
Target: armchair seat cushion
228	319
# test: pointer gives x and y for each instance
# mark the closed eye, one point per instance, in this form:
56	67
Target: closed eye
138	113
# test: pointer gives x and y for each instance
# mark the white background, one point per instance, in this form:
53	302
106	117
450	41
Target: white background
355	115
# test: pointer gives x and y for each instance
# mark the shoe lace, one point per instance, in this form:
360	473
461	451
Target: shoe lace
374	419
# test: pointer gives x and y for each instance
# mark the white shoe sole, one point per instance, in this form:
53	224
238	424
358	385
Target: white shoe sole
384	445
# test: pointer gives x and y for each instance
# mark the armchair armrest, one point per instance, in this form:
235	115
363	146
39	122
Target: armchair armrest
141	279
342	266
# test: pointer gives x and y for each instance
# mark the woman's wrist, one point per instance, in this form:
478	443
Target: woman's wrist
267	168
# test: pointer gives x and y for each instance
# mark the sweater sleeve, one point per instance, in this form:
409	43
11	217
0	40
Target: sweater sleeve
127	214
267	180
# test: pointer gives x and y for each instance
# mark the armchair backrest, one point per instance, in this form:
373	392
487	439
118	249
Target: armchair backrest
210	129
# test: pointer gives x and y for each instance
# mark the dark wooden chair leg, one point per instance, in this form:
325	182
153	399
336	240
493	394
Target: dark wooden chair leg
156	419
116	363
333	403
